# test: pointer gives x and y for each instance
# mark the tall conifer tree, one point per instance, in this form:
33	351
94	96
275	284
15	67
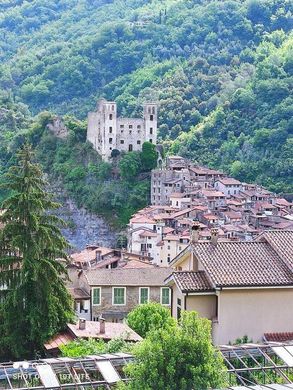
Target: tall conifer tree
34	302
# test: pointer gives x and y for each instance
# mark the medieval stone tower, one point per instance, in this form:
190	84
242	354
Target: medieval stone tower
107	132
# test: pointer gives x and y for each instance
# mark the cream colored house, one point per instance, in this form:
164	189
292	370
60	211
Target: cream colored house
245	288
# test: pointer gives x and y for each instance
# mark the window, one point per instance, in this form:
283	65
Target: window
151	130
118	295
121	126
138	142
110	117
130	148
165	296
130	126
151	117
151	141
96	296
144	293
150	246
110	129
122	141
138	127
110	140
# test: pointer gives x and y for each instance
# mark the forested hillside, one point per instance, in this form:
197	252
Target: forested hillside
221	71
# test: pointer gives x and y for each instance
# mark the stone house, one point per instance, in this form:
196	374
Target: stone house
107	132
228	186
244	288
113	293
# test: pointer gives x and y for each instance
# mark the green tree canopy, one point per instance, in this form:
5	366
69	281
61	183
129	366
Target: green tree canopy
35	303
181	358
150	316
149	156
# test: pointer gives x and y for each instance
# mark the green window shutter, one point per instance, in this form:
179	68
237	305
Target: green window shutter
144	295
165	296
119	296
96	296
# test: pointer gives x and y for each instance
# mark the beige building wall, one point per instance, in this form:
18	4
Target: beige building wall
204	305
253	312
176	307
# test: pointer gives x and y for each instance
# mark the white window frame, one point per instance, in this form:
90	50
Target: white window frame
140	288
161	297
118	304
96	288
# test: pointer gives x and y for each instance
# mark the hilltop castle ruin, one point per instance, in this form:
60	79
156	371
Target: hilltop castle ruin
107	132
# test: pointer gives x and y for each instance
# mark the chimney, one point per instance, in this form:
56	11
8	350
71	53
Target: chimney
214	236
82	324
98	256
195	232
102	325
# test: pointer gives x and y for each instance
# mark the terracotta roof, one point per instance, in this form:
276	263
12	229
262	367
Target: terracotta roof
213	194
167	230
243	264
283	202
233	214
279	337
146	233
192	281
138	264
89	254
282	242
59	340
78	293
177	195
142	219
128	276
112	330
229	181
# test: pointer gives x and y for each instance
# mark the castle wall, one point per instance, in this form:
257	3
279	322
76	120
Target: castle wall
106	132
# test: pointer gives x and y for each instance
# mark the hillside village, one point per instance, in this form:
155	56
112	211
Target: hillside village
206	238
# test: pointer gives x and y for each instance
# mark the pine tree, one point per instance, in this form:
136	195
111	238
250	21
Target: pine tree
34	302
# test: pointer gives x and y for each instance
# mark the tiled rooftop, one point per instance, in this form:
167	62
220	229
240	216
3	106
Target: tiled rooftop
128	276
243	264
192	281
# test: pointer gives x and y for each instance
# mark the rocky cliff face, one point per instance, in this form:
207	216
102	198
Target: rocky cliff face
85	228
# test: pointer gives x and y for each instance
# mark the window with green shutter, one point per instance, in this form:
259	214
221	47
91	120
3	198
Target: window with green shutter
118	295
144	295
96	295
165	296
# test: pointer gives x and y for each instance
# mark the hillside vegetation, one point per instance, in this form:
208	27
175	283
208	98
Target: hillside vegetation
220	70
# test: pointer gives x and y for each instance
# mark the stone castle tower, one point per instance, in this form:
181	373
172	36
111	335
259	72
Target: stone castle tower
107	132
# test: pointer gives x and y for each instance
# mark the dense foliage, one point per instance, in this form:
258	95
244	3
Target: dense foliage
115	190
84	347
251	135
35	303
148	317
181	358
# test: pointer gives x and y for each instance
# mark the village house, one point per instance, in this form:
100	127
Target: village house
113	293
95	256
107	132
244	288
97	330
228	186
